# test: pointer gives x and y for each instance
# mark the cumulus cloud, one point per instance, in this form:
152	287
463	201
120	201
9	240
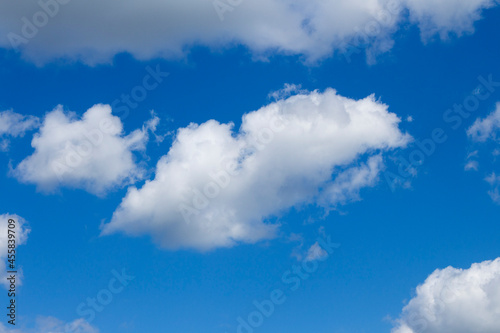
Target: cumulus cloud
14	125
484	129
20	231
455	300
217	187
84	30
54	325
90	153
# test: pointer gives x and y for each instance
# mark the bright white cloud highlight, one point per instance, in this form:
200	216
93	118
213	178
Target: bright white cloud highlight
216	187
21	236
84	30
13	124
90	153
455	300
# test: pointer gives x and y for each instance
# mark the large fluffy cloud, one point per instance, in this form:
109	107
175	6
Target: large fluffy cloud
20	231
456	300
14	125
90	153
94	31
216	187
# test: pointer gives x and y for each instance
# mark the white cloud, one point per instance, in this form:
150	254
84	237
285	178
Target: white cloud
54	325
485	128
287	91
51	324
20	232
471	162
90	153
446	16
347	184
494	182
14	125
482	130
455	300
471	165
316	252
84	30
216	188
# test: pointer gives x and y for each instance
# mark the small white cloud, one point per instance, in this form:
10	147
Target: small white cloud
216	188
51	324
347	184
287	91
495	195
445	17
485	128
455	300
14	125
494	182
471	165
475	153
316	252
482	130
409	119
20	231
54	325
90	153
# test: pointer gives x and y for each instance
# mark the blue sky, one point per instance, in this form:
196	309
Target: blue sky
203	274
